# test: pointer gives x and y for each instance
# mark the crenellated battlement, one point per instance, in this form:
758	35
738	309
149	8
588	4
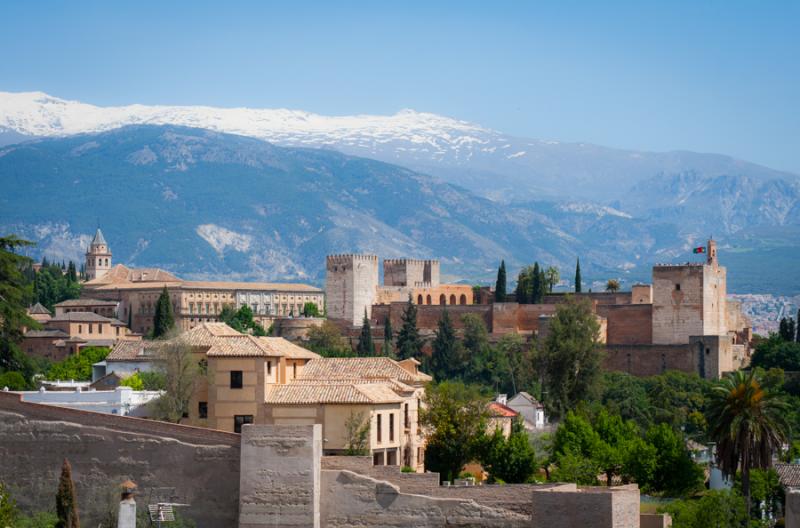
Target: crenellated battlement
350	258
401	261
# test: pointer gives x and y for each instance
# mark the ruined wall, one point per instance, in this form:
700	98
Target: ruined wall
629	324
568	507
416	483
199	467
350	499
350	286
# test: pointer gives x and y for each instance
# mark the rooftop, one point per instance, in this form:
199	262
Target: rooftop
85	302
46	333
304	393
500	410
38	308
133	351
789	474
368	368
81	317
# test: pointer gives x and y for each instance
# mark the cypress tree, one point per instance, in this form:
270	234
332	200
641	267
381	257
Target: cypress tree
72	274
365	346
409	343
66	501
164	320
537	284
783	330
388	338
500	286
578	277
523	287
444	356
797	335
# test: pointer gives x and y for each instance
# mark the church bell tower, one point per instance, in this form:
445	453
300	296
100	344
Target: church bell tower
98	257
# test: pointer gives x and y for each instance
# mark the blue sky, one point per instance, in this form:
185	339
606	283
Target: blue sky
705	76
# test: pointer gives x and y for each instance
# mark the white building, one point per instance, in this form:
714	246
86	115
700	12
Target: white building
530	410
123	401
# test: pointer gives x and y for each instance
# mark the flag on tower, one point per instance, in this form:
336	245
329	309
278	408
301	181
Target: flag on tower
699	249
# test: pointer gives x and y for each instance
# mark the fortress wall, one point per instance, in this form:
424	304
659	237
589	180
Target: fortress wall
629	324
677	313
350	285
650	360
197	466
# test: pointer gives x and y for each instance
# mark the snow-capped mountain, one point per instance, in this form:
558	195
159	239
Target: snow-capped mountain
486	161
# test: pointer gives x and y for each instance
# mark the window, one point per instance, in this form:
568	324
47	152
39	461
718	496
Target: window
406	418
379	429
236	379
269	368
678	287
239	420
80	329
100	328
90	328
202	409
117	330
294	370
203	366
391	427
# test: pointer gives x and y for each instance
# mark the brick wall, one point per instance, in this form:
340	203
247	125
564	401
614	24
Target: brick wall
197	466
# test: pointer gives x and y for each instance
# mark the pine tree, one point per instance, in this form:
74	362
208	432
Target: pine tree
444	358
365	346
409	343
388	338
66	501
164	320
500	286
578	277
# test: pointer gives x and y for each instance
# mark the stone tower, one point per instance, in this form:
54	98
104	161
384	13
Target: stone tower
98	257
689	300
351	284
411	273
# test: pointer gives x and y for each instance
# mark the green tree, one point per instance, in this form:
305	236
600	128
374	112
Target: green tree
675	473
484	364
164	319
570	358
454	417
500	285
524	291
797	334
715	509
627	396
79	366
552	276
578	276
612	285
537	288
365	347
388	338
445	350
66	500
15	296
153	380
776	352
356	428
311	309
8	508
409	342
72	273
15	381
517	356
511	460
574	446
134	381
748	424
327	340
241	320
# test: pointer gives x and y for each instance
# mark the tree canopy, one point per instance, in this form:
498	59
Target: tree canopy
409	342
164	319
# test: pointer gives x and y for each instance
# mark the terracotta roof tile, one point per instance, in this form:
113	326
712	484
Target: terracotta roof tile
354	393
789	474
498	409
81	317
133	351
46	333
85	302
38	309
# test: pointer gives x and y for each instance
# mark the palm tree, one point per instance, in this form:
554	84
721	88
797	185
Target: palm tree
747	423
612	285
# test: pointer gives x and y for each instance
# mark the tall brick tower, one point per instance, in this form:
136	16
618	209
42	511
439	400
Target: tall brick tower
351	283
98	257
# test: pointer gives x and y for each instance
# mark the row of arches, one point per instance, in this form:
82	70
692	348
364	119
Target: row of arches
442	299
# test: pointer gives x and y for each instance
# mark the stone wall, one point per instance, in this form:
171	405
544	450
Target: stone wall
350	286
567	506
678	298
194	466
655	520
792	508
514	497
280	476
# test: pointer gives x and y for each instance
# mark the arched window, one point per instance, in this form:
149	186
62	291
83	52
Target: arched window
419	299
443	299
428	299
463	299
452	298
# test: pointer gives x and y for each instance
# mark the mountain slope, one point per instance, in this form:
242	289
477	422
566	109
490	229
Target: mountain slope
486	161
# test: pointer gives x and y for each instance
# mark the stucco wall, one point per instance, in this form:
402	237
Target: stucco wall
197	466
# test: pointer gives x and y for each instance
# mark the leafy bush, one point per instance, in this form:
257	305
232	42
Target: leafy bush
13	380
134	382
407	469
715	509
